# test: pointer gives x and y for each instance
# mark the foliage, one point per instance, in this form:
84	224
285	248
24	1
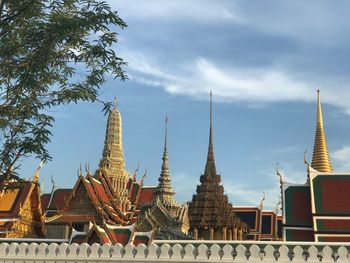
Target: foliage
52	52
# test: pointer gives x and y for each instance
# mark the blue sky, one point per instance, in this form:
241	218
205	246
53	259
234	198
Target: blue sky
263	60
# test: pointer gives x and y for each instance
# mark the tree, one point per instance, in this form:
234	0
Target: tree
44	44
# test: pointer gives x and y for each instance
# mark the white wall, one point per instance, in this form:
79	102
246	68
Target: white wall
175	252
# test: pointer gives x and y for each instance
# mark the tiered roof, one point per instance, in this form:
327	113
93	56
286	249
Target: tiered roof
91	200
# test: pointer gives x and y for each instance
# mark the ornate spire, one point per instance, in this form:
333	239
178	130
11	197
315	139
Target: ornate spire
164	190
112	162
210	208
210	168
320	158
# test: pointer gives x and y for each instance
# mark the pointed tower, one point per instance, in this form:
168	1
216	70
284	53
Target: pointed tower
112	162
210	213
164	191
320	158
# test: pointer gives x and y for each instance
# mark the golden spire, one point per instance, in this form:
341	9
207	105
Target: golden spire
320	158
165	191
112	162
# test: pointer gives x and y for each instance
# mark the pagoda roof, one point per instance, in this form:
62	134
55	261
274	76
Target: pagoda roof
100	198
210	206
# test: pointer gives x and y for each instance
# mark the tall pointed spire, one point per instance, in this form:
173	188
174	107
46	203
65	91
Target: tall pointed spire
112	162
320	158
164	190
210	168
210	212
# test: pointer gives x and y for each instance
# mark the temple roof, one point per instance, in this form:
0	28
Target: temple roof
320	158
15	202
117	234
96	193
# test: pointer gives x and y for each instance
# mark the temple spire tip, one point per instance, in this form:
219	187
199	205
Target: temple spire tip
320	158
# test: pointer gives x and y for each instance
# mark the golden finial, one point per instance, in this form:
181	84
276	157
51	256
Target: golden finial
279	174
136	170
80	171
262	202
115	102
143	177
305	158
36	175
320	158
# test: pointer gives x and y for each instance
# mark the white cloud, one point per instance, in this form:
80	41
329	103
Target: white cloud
229	84
240	194
317	22
341	159
203	11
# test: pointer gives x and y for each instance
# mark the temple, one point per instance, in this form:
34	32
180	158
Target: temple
318	210
110	203
211	216
21	215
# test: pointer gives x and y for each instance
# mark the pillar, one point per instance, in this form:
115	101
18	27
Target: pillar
195	233
235	235
211	233
229	234
224	233
241	234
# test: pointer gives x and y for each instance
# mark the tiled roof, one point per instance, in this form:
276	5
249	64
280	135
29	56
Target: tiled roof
147	195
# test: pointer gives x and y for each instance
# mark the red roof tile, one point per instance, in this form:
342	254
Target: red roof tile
147	195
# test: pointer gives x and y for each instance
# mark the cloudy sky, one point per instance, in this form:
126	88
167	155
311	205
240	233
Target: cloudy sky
263	60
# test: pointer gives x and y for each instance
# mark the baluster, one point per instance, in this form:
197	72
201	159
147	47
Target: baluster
313	254
269	254
283	254
298	254
129	251
189	252
165	251
227	252
241	256
177	252
202	252
327	255
153	251
342	254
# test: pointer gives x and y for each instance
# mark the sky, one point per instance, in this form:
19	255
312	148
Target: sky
263	61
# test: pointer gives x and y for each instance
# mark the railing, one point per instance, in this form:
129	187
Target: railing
175	252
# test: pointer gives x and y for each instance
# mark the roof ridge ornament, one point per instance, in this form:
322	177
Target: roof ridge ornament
36	174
